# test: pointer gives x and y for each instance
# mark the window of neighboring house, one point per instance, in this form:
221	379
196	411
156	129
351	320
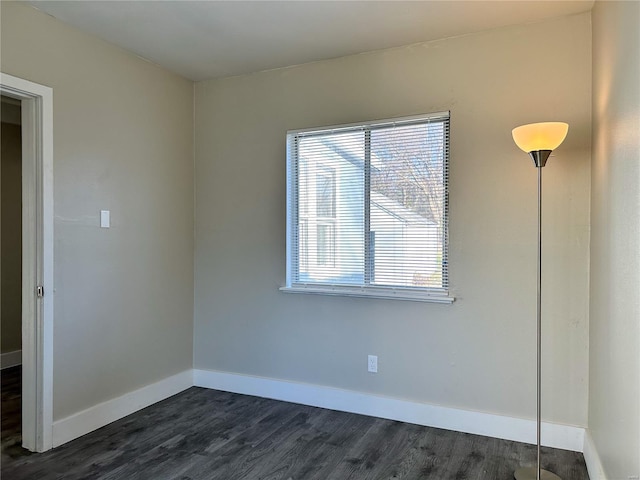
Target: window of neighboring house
326	215
367	209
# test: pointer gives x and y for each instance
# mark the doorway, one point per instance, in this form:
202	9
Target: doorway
35	104
11	271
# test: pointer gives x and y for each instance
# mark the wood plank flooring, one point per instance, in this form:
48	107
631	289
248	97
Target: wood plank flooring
207	434
11	395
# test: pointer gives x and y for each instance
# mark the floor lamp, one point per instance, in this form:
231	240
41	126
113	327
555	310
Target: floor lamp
539	140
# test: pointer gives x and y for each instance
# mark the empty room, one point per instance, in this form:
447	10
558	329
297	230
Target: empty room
311	240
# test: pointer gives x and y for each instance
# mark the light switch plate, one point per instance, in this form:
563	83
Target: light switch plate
105	218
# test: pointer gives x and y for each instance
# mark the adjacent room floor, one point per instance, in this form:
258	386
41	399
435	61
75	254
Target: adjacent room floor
10	434
207	434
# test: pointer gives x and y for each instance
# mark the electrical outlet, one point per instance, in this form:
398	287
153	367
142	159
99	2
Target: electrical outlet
372	363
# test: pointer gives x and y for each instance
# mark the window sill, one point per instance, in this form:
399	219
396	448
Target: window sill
371	292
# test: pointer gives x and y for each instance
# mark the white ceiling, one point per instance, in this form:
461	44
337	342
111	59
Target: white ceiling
207	39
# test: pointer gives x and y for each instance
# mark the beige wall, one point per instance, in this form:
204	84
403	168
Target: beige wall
478	353
11	237
614	393
123	141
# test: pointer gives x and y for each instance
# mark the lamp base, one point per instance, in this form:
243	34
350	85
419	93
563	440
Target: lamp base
531	473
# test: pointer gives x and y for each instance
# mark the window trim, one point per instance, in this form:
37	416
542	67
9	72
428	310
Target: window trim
395	293
366	290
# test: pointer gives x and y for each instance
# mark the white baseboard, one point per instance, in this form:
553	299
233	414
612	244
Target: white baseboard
81	423
10	359
565	437
592	459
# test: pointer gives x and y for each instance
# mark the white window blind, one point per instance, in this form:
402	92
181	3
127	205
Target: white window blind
367	209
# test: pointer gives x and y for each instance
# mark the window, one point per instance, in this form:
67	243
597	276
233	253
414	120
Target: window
367	209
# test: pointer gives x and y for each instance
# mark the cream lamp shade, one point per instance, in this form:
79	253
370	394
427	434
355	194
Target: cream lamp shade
540	136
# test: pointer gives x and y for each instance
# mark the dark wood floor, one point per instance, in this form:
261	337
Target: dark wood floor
206	434
11	393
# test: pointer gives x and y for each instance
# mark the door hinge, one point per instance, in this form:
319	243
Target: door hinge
40	291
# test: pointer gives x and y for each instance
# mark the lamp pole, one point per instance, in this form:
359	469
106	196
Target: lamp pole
539	166
539	322
539	158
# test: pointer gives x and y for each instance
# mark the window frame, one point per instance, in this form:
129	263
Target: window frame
423	294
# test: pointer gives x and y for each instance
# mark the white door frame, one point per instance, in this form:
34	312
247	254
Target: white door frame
37	259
